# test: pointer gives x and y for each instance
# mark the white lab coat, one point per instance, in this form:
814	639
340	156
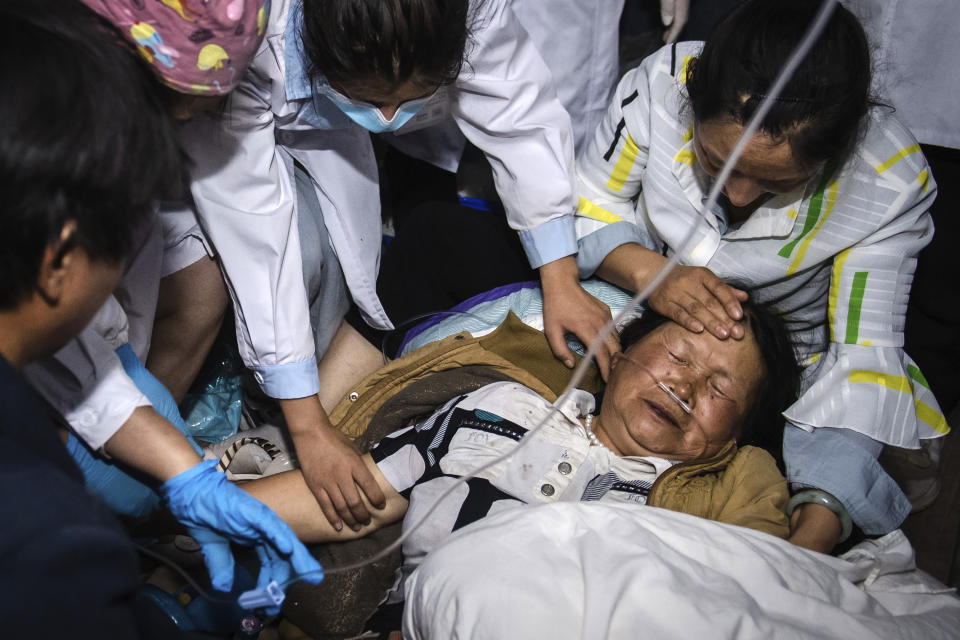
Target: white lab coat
916	50
835	256
244	190
579	42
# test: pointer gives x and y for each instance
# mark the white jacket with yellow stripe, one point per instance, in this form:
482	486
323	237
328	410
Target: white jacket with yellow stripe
836	256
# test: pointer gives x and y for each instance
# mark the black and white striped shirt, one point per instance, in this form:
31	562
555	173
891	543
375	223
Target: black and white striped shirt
556	462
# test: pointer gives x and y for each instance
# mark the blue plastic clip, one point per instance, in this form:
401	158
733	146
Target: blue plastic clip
271	596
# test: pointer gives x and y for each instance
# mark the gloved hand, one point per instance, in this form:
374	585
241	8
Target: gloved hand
216	512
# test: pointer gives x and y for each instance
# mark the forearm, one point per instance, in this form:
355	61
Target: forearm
290	497
560	272
631	266
149	443
815	527
304	416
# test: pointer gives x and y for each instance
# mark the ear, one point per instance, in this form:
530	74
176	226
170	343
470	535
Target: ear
56	264
617	357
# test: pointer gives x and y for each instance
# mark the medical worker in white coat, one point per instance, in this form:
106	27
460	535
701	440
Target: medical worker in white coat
285	183
823	215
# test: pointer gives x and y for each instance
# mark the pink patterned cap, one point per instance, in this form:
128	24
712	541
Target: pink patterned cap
199	47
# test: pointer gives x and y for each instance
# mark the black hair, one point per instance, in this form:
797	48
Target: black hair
779	387
385	41
84	139
821	109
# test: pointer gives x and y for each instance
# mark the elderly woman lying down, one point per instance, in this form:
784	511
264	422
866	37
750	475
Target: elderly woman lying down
676	405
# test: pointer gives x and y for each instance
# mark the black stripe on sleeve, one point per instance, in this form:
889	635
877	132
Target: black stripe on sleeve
616	136
616	139
673	60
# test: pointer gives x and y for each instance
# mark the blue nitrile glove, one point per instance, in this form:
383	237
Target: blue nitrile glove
216	512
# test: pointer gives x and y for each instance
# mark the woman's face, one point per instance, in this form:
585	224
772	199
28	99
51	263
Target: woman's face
766	166
717	379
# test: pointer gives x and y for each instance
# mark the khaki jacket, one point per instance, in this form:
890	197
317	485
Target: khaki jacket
740	486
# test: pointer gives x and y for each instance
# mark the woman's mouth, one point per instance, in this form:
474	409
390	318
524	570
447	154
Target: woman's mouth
662	413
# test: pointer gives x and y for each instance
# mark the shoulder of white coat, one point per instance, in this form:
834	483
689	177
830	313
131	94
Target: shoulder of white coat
890	153
269	54
277	21
265	74
653	94
481	14
665	68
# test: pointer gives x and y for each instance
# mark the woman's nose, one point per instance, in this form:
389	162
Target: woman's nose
680	391
389	110
683	389
742	191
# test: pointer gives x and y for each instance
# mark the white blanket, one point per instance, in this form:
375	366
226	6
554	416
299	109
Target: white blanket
605	571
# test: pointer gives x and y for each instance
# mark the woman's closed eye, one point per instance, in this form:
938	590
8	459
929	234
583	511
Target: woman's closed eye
721	390
718	390
676	357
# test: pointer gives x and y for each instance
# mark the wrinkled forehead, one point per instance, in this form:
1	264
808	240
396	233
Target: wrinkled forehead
740	360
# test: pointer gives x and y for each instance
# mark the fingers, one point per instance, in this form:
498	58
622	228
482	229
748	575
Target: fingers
369	486
343	506
558	344
680	315
698	300
729	300
351	507
275	531
273	568
605	352
219	562
713	315
330	512
305	566
729	297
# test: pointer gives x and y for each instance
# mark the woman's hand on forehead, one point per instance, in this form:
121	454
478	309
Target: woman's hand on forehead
697	300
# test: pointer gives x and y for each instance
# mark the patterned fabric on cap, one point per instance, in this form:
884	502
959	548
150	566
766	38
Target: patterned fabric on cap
199	47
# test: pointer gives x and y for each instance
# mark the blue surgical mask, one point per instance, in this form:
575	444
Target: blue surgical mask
368	116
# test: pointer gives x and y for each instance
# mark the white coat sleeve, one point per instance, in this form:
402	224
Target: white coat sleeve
881	391
85	381
505	104
243	188
610	172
